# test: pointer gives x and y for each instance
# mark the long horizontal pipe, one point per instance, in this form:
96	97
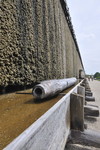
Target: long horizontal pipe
50	88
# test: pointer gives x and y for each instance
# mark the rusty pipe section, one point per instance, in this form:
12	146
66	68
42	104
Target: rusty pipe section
50	88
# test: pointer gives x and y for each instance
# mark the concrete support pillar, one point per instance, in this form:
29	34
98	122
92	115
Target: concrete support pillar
77	111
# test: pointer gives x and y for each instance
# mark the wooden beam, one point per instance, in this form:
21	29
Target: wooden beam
93	105
88	93
71	146
91	111
88	89
90	98
88	137
81	91
77	111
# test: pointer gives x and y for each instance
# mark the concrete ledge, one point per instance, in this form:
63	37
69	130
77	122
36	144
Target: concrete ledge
50	131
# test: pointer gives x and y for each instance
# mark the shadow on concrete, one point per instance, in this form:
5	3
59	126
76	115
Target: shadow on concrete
38	101
24	93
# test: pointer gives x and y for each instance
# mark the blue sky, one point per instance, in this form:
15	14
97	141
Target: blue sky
85	16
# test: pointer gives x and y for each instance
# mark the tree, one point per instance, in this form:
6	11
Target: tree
97	75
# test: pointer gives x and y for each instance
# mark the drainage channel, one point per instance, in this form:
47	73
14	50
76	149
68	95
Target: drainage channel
19	110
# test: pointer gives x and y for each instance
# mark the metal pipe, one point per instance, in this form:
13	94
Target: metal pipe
50	88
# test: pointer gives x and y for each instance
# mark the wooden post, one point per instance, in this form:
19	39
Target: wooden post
90	98
88	89
88	93
91	111
81	91
77	111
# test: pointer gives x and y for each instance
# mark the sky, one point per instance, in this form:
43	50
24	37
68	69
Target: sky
85	16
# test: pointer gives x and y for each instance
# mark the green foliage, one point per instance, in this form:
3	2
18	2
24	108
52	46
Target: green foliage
97	75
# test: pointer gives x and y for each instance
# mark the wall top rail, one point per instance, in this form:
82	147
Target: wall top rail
50	131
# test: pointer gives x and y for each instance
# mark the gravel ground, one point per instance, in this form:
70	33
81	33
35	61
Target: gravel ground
94	122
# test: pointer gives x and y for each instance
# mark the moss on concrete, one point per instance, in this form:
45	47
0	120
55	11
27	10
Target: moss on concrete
36	43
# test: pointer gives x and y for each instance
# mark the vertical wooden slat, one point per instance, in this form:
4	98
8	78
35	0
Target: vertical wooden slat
77	112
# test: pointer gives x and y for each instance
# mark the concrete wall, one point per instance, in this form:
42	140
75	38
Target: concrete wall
36	42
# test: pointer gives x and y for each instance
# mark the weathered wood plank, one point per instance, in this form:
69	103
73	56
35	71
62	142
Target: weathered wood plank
81	91
89	98
88	93
88	137
71	146
91	111
77	111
